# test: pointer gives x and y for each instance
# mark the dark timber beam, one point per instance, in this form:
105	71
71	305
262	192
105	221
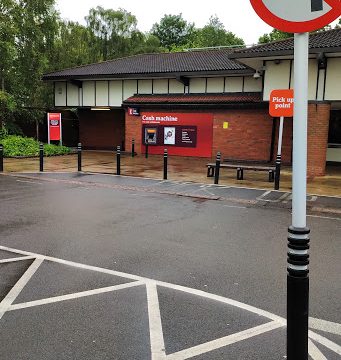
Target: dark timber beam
184	80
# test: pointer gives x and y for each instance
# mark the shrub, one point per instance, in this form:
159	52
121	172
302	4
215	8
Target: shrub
22	146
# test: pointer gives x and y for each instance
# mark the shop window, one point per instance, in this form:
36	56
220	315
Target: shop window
334	136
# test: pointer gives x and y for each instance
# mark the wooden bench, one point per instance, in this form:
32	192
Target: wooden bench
240	170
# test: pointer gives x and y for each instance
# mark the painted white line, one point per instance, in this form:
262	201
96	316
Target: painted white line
157	343
224	300
325	342
324	217
15	291
29	182
236	207
4	261
314	351
74	296
323	325
224	341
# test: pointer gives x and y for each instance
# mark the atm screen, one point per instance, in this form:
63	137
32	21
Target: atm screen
151	136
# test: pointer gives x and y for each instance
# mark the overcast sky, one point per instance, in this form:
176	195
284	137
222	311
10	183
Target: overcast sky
237	16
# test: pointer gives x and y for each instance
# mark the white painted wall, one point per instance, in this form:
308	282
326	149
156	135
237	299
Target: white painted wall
252	85
145	86
88	93
276	76
215	85
160	86
102	93
129	88
115	92
60	93
234	84
197	85
176	87
72	95
333	79
312	82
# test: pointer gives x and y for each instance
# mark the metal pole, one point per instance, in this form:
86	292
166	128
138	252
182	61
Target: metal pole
118	160
298	245
133	148
217	168
41	157
146	155
279	153
165	164
79	152
48	130
1	158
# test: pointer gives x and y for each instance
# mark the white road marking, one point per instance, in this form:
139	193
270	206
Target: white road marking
236	207
325	342
323	325
314	351
153	305
224	341
4	261
15	291
30	182
324	217
74	296
157	343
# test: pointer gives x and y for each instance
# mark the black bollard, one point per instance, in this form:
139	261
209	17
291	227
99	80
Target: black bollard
165	164
298	293
79	152
217	168
278	171
133	148
118	160
41	157
1	158
146	151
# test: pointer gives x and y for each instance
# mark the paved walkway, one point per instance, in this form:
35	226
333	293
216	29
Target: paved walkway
179	169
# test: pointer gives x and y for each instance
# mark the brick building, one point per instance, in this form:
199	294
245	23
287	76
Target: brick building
196	103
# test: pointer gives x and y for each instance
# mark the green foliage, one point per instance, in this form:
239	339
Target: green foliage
214	34
15	145
274	35
173	30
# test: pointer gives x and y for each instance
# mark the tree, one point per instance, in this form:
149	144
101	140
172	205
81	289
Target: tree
172	31
274	35
7	40
111	31
214	34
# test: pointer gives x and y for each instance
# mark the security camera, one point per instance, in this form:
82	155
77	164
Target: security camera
256	75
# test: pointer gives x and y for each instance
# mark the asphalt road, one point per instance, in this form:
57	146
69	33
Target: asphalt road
198	251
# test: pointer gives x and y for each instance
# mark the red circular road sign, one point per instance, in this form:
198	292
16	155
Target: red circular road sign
297	16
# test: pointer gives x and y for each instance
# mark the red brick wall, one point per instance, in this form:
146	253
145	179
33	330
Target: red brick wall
248	136
318	126
249	133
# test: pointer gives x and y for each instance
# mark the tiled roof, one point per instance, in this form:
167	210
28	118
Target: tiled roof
231	98
328	41
180	63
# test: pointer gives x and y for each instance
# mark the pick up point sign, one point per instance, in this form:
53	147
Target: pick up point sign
282	103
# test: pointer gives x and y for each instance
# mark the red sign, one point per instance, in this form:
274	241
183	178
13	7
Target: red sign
187	134
54	126
297	16
282	103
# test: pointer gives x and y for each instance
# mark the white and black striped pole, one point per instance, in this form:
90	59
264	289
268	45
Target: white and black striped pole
1	158
41	157
118	160
165	164
298	233
279	153
79	153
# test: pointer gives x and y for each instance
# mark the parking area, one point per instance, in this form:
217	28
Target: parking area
107	267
